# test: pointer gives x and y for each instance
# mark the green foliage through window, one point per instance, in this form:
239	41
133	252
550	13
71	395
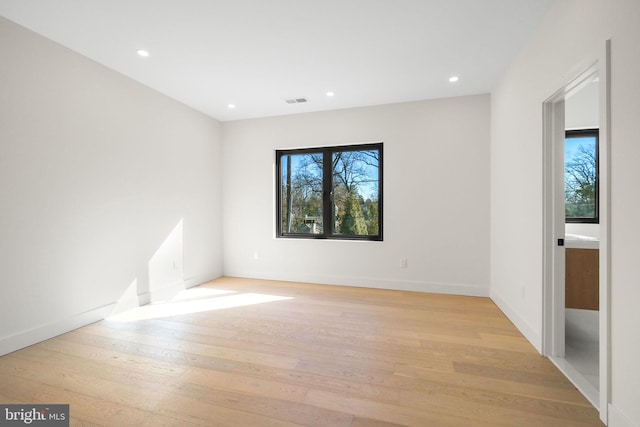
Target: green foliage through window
330	192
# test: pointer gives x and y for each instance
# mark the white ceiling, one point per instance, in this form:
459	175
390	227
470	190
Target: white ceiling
257	53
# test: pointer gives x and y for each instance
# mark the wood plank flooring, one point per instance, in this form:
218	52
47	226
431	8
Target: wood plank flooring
239	352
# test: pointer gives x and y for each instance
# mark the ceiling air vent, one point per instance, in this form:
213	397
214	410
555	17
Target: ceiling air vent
296	100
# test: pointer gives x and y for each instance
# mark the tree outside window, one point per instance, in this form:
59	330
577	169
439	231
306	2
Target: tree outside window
330	192
581	176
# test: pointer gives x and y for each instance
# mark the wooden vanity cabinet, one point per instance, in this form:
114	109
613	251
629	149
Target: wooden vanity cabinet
582	278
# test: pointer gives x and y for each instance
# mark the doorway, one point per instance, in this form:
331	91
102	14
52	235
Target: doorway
576	340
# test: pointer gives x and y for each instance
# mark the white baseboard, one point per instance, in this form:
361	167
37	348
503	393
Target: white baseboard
617	419
373	282
200	279
523	326
578	380
44	332
166	292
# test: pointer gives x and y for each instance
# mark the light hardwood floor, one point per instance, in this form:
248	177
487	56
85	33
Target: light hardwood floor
266	353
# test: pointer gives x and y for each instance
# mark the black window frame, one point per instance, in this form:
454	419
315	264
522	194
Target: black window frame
582	133
327	192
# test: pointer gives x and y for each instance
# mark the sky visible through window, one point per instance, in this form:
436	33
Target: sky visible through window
368	188
581	183
572	146
331	191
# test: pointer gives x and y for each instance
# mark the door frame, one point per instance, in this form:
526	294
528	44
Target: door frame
553	316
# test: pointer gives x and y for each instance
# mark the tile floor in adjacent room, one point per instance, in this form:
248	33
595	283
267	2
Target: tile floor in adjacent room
582	343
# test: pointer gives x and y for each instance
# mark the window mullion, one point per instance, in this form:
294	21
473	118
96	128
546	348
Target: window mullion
327	193
304	200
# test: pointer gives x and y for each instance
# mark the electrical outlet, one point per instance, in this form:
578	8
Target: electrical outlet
256	255
403	263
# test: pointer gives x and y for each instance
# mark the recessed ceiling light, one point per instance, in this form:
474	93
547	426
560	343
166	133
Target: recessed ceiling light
142	52
330	94
231	106
453	79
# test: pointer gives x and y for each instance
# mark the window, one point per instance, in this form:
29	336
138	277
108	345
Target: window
581	176
330	192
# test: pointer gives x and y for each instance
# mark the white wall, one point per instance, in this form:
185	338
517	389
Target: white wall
436	197
97	175
568	36
581	109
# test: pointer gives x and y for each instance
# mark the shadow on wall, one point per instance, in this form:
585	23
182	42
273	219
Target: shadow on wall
161	292
164	275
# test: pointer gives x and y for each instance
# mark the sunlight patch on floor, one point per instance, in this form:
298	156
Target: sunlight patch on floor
195	300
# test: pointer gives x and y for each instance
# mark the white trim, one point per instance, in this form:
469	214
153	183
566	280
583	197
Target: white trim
373	282
523	326
577	379
618	419
44	332
164	293
130	303
553	225
598	63
605	229
200	279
